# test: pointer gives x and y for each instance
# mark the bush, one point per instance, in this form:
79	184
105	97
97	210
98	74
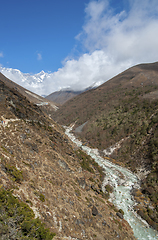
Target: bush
91	179
22	217
42	197
109	188
121	211
35	229
14	172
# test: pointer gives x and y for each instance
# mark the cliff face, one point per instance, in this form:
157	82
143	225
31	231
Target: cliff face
44	170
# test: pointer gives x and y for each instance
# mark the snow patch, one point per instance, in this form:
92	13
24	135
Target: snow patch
109	151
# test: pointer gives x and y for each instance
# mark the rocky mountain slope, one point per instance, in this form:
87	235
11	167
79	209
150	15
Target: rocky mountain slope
60	97
122	114
32	97
46	179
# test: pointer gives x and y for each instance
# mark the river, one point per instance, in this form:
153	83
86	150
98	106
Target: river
122	189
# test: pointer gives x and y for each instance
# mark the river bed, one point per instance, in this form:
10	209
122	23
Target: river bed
122	189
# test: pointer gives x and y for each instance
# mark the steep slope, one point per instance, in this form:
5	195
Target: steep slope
35	82
87	104
32	97
123	114
48	174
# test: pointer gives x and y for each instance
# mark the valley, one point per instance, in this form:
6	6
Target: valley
123	183
79	120
79	193
123	112
49	188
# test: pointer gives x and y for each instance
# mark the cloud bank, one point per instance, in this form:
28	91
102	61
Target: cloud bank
112	42
130	35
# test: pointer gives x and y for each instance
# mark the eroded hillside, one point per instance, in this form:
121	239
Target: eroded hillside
48	174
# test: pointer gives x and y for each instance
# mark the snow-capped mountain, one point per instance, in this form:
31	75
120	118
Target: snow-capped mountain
43	83
32	82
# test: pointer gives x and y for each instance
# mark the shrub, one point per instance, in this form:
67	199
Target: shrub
23	218
121	211
36	229
91	179
109	188
42	197
14	172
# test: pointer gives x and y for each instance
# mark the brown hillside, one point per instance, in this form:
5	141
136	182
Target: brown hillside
123	110
60	97
92	102
45	172
32	97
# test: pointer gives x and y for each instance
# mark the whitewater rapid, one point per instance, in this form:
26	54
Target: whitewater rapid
122	181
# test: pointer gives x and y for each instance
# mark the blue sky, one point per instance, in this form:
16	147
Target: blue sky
39	34
79	42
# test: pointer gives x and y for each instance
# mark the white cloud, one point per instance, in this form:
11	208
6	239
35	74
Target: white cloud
125	36
39	56
113	42
78	74
1	54
84	72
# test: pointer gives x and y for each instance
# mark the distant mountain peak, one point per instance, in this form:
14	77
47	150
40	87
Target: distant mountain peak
44	83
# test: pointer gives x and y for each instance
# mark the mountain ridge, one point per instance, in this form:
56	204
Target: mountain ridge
42	83
47	105
62	96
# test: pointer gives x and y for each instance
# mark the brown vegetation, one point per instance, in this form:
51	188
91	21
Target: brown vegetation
50	179
123	110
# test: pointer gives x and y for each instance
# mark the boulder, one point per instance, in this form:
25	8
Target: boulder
94	211
120	215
